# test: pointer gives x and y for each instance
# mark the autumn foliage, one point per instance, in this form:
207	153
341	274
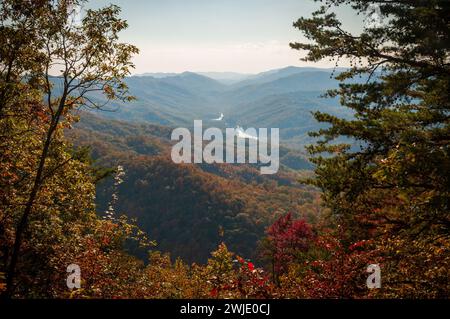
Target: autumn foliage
382	200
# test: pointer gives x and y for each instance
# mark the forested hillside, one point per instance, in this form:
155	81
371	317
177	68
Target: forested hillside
190	209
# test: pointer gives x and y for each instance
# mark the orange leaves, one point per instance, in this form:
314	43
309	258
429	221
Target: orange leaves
360	244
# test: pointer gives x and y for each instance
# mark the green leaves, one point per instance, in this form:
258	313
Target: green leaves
399	165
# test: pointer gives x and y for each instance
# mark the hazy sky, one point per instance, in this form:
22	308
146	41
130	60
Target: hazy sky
245	36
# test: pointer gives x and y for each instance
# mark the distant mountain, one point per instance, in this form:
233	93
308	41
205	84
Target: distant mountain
172	100
195	83
227	77
158	75
243	79
291	112
273	75
307	81
222	77
280	98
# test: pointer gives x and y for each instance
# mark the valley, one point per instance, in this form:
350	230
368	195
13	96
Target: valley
187	208
190	208
284	99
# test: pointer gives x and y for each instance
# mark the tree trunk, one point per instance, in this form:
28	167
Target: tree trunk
23	223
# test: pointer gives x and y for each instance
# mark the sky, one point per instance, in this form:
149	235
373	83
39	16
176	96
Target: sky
245	36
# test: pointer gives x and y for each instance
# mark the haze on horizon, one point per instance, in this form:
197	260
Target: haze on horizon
244	36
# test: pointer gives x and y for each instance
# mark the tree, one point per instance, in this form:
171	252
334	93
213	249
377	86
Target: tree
392	184
20	52
88	59
287	240
331	270
227	275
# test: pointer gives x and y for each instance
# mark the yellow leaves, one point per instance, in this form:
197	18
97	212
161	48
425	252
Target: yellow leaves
109	92
403	196
380	175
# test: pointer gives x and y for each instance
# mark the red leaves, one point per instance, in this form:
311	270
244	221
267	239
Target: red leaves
286	232
286	238
252	282
214	292
358	244
340	270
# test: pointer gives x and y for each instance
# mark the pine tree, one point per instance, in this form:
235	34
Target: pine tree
392	182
